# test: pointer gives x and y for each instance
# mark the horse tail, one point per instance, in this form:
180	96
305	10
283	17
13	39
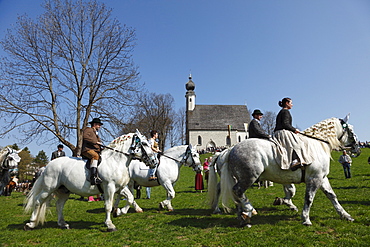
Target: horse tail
227	183
31	201
212	183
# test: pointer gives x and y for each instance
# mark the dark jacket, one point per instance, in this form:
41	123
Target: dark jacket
90	138
55	154
284	121
255	130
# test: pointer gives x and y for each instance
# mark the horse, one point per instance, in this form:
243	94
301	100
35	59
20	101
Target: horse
167	172
214	189
67	175
9	159
256	158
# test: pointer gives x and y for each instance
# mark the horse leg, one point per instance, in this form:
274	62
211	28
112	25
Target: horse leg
312	186
289	190
170	195
327	189
62	198
127	193
244	207
108	202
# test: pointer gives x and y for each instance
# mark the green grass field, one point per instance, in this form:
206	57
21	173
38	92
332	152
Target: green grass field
191	224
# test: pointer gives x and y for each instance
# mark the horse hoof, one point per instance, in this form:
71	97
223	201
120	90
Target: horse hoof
170	210
161	206
66	227
27	228
112	229
139	211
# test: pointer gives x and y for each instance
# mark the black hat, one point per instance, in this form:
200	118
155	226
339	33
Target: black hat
257	112
96	120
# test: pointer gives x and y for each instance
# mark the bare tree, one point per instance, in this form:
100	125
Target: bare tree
71	64
268	122
153	112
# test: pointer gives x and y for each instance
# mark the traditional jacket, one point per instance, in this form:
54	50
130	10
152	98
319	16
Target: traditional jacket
284	121
255	130
90	140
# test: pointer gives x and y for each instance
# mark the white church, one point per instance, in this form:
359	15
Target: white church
212	126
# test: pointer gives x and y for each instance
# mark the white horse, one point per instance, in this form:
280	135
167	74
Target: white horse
256	158
67	175
9	159
168	172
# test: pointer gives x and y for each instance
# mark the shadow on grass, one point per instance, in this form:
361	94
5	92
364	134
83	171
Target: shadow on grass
351	188
53	224
367	203
230	221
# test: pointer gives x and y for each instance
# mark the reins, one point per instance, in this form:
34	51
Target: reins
118	151
314	138
170	157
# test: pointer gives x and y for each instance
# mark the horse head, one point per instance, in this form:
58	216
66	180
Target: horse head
348	137
141	148
191	158
11	159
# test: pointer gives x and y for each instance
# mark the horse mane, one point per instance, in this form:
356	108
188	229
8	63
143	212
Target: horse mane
120	140
325	130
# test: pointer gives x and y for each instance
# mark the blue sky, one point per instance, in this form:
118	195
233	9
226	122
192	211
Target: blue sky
248	52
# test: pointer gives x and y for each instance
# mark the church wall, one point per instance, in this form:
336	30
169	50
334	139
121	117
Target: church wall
215	138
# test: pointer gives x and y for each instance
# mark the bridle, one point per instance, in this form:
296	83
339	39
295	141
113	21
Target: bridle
188	153
135	147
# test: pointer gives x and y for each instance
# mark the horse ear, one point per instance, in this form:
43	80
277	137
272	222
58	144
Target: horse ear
346	118
138	132
20	150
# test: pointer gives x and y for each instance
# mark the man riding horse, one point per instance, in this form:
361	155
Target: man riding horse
91	148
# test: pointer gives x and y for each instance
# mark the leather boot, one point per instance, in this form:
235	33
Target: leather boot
94	179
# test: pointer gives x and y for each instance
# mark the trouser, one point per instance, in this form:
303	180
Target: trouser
347	169
94	157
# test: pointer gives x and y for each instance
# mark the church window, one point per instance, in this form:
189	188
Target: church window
199	140
239	139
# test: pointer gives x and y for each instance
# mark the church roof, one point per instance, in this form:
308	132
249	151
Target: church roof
218	117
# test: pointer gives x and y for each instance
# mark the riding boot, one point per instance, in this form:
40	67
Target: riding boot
94	179
295	165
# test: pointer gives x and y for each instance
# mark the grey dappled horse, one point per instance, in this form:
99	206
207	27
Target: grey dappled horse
71	174
168	172
256	158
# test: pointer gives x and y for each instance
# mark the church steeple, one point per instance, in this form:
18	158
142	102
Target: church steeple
190	95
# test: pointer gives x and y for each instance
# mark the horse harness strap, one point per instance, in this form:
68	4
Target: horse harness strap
303	177
170	157
315	138
100	188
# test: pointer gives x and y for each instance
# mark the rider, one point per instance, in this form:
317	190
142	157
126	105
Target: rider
287	136
91	148
254	128
155	147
